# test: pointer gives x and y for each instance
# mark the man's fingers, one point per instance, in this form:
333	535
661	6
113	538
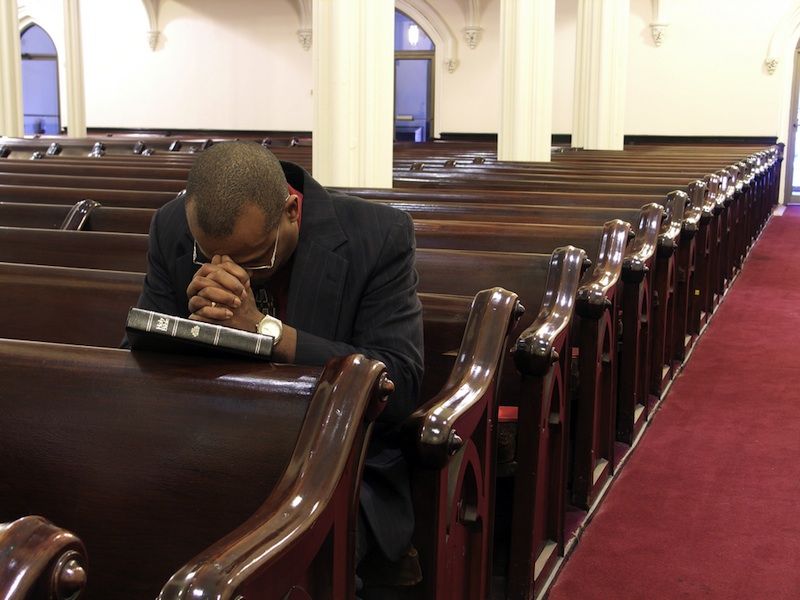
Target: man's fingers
220	296
208	310
218	279
234	269
198	283
224	262
227	274
225	279
226	265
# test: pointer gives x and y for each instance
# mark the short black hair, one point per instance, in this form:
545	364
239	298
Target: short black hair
227	176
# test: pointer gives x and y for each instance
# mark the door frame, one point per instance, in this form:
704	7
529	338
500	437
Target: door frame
791	143
429	55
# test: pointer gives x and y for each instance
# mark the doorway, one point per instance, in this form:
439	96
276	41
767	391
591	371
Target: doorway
40	100
413	81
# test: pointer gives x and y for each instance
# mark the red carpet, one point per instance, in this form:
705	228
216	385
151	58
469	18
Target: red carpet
708	505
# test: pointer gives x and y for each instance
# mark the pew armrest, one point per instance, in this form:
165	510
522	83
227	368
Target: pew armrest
36	555
534	351
672	225
700	200
635	263
321	475
592	299
431	433
78	215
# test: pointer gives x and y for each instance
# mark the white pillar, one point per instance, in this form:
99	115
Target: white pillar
527	29
353	58
10	71
76	101
601	62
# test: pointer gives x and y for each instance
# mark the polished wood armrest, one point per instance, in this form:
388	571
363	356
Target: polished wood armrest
36	556
592	298
634	265
727	187
431	432
350	390
715	193
699	196
78	215
534	351
672	224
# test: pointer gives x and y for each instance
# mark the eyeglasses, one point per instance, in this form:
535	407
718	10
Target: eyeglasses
246	267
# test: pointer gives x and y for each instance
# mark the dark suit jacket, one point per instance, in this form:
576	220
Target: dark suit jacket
352	289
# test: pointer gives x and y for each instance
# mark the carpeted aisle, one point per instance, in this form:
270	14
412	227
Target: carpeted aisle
709	504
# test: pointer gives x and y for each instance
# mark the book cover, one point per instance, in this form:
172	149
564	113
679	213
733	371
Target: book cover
149	330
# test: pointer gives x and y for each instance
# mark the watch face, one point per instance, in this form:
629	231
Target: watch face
270	327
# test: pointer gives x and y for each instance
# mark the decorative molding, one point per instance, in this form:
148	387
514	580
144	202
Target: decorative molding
783	41
154	35
25	20
451	65
152	39
771	64
304	35
658	30
473	29
658	27
472	35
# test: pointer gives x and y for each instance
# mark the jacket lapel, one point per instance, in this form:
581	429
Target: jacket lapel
319	273
315	290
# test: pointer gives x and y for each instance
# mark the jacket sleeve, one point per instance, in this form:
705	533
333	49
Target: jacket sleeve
157	293
388	324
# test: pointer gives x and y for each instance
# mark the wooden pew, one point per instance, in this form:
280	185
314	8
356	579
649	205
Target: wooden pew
86	249
149	480
110	183
65	195
451	443
441	272
659	270
465	401
54	216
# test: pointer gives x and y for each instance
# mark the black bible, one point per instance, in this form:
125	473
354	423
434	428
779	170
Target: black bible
148	330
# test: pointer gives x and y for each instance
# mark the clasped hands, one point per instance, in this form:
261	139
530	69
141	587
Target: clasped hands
220	293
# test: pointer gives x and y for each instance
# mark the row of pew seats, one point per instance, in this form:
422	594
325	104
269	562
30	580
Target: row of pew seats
594	274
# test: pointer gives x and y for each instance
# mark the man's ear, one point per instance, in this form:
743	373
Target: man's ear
291	208
191	212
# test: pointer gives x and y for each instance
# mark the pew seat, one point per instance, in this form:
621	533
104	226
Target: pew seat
204	477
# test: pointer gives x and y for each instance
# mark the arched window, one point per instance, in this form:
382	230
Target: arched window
413	80
39	82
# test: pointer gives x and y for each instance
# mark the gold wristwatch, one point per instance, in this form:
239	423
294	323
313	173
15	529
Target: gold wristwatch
272	327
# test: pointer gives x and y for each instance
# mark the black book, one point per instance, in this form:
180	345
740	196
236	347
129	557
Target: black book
148	330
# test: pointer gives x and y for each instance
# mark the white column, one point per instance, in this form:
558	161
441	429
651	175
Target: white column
601	61
10	71
353	58
76	101
527	29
